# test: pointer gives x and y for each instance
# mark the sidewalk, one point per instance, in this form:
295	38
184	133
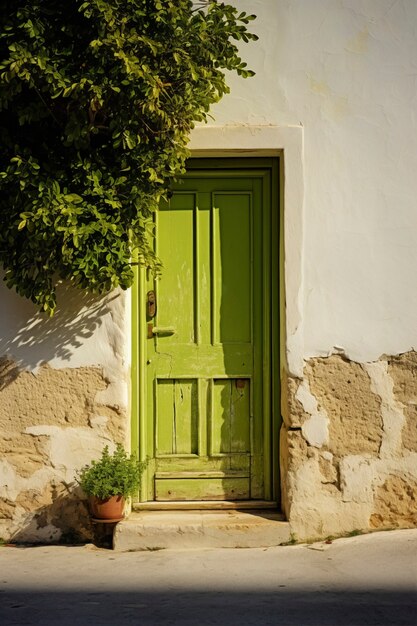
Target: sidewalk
360	581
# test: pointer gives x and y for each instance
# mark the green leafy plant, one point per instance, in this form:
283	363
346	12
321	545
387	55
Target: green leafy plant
112	475
97	102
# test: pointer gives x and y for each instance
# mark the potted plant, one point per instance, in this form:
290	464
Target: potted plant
109	481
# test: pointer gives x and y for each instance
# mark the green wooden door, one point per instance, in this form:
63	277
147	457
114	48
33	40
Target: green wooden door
207	345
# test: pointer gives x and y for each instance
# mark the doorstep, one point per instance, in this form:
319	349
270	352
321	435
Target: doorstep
157	530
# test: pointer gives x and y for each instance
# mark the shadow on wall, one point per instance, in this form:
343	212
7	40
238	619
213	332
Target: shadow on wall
29	338
64	519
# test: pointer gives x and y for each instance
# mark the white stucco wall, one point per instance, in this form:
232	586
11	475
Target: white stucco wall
346	71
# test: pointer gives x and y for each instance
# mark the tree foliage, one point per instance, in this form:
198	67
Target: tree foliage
97	101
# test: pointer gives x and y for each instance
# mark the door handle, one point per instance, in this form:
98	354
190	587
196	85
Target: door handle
163	331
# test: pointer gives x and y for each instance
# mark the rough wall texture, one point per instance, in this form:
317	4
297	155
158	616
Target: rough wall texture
51	424
342	390
349	446
403	371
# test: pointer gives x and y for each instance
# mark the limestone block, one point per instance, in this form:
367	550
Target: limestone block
343	390
328	468
315	430
403	370
293	412
357	474
395	504
295	448
392	410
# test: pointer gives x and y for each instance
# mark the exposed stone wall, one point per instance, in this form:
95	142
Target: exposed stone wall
51	422
349	446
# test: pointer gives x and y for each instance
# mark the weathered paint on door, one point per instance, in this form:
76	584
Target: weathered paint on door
207	346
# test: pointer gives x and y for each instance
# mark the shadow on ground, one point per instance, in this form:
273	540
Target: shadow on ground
174	607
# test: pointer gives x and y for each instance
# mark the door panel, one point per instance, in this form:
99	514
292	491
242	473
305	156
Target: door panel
210	488
230	417
176	414
205	346
176	290
232	270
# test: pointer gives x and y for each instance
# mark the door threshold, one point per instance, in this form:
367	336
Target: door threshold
198	505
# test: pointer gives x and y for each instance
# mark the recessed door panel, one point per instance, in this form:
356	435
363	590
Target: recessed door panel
232	267
177	416
175	290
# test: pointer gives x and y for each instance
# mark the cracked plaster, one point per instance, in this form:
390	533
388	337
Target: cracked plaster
52	423
363	476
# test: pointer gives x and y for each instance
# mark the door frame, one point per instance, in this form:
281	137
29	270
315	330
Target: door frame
271	330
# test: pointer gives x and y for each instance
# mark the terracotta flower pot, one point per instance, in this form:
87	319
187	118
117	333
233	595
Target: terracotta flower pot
109	509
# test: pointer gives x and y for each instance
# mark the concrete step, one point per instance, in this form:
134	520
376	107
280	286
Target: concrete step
157	530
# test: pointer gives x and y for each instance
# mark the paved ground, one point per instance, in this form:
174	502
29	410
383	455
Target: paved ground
361	581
